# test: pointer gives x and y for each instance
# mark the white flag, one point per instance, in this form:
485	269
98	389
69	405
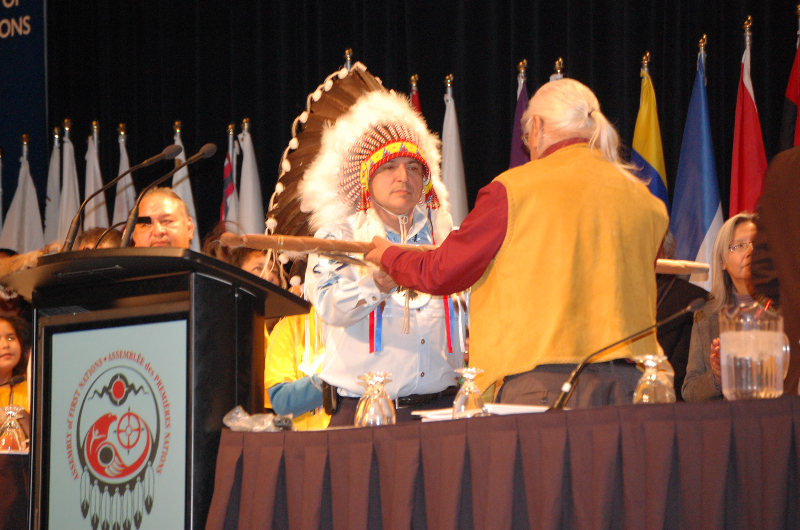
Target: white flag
251	208
126	193
53	200
182	187
70	199
452	163
96	213
23	227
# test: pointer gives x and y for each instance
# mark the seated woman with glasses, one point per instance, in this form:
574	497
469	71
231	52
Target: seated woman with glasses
730	285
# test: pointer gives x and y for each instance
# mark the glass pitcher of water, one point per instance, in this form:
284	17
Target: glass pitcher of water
754	351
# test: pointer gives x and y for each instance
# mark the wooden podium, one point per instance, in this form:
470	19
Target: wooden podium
139	353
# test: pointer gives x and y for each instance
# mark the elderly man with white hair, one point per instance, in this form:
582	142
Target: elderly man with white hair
561	253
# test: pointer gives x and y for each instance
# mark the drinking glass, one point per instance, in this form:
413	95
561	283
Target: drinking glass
657	382
375	408
468	402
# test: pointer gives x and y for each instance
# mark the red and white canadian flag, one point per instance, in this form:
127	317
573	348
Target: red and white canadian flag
749	159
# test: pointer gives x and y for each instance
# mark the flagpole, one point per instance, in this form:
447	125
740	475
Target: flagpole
348	58
522	68
646	62
559	70
25	139
448	83
231	140
67	127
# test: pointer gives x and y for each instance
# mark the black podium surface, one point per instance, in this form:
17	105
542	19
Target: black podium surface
138	355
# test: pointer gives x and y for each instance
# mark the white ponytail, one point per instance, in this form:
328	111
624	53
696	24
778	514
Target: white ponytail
570	109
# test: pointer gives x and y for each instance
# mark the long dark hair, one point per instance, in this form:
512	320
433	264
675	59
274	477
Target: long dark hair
23	331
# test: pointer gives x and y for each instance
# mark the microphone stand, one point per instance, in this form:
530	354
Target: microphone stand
168	153
569	386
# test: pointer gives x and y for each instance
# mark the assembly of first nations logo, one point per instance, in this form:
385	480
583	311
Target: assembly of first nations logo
118	439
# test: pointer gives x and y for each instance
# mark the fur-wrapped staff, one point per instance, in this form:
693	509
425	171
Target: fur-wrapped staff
312	245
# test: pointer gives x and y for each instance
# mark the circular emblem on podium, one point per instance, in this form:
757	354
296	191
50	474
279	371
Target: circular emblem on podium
118	432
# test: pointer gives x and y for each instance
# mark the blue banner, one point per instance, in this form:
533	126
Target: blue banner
23	96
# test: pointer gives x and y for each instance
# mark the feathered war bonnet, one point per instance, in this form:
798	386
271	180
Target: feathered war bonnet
351	125
380	126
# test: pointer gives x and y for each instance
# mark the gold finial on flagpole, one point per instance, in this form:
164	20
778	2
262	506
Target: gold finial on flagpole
348	58
448	82
559	66
748	31
414	80
231	127
1	152
522	68
177	126
246	125
95	126
646	62
56	134
121	129
25	139
67	127
702	43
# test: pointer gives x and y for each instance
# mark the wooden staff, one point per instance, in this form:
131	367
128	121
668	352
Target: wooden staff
311	245
304	245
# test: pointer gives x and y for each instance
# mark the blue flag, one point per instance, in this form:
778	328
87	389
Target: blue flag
696	210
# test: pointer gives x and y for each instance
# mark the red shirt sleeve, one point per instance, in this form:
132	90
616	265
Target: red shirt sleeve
463	257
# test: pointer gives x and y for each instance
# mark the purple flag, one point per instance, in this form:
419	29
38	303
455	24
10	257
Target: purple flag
519	153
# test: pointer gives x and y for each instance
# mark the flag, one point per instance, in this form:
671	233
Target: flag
96	212
53	200
647	152
790	124
126	192
182	187
749	159
23	227
229	210
696	209
519	154
70	198
452	163
251	208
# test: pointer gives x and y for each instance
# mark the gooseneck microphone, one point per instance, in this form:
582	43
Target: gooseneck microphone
168	153
206	151
569	386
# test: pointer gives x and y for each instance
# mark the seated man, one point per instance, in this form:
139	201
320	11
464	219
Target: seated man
169	223
377	173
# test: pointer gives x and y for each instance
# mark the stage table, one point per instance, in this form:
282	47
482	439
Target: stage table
711	465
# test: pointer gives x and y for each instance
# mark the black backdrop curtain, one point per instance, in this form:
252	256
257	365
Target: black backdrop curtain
210	63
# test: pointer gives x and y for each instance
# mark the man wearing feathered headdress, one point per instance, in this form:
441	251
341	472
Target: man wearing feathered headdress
377	174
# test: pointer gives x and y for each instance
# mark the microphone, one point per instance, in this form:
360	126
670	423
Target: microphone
569	386
168	153
206	151
17	379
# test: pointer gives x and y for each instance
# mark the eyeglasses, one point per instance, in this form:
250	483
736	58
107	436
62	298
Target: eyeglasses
738	248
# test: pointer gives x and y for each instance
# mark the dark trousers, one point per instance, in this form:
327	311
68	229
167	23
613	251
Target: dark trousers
346	415
609	383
